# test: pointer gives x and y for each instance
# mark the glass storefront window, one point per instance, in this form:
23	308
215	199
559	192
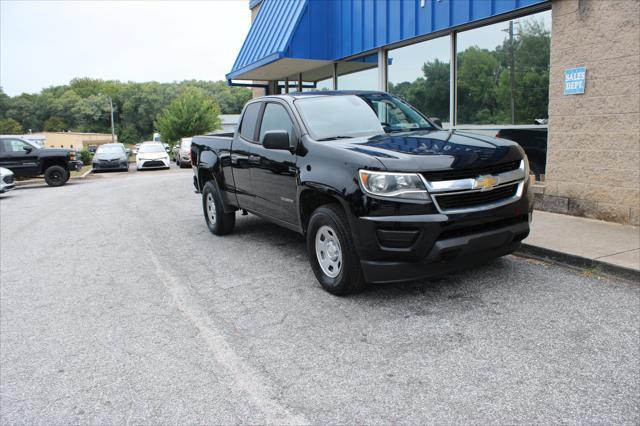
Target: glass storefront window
419	73
503	72
325	84
359	74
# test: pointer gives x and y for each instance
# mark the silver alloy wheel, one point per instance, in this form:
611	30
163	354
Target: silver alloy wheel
328	251
211	209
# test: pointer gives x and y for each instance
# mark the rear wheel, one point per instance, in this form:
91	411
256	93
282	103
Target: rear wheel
218	222
55	176
332	253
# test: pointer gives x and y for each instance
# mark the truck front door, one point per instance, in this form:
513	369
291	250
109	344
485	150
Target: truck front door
19	157
273	172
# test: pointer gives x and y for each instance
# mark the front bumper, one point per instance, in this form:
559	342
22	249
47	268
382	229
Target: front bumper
75	165
111	165
153	164
403	247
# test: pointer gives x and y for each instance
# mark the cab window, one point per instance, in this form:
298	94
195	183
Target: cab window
275	117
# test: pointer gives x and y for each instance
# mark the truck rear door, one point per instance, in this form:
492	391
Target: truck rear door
245	138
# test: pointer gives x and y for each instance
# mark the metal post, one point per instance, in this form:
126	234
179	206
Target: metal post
335	76
382	70
512	75
300	82
113	129
453	87
286	85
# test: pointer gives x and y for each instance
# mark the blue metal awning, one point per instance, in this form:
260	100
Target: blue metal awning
289	37
279	43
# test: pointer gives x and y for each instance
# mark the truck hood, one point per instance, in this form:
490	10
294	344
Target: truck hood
433	150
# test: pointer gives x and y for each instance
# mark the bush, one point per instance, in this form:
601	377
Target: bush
86	157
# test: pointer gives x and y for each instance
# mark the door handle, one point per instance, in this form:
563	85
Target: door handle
254	158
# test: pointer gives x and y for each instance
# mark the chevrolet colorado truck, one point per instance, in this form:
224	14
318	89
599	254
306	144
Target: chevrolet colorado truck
25	159
381	193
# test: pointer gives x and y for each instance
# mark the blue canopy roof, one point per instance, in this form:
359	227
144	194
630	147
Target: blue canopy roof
295	36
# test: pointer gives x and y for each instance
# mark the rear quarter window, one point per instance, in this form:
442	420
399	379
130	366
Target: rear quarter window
249	119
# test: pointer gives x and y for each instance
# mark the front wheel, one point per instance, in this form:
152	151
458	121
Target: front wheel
332	253
218	222
55	176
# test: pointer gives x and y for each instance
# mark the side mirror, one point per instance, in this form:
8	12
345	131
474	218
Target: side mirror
276	139
27	149
436	121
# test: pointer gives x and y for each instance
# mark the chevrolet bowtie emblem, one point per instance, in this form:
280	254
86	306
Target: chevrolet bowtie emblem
485	183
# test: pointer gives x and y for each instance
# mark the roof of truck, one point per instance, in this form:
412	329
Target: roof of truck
325	93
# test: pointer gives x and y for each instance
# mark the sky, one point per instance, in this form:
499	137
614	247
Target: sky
47	43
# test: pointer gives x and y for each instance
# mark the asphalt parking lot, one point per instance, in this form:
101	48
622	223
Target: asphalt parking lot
118	306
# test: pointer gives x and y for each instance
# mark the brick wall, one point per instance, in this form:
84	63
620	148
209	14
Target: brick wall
593	157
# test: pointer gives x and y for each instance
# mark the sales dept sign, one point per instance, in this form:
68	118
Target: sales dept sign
574	80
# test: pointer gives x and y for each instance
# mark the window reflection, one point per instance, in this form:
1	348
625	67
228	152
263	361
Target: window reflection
359	74
419	73
503	72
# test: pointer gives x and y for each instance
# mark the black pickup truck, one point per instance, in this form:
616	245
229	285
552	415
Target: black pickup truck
26	159
381	193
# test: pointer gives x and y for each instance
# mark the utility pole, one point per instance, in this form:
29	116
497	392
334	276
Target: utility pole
512	75
113	129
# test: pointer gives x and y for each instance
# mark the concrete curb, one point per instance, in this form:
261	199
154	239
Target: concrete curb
579	262
84	175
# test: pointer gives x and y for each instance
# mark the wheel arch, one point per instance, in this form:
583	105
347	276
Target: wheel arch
312	197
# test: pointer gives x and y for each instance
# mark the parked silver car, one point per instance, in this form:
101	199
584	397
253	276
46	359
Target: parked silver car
182	153
7	182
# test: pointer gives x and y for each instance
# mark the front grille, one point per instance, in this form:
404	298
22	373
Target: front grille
454	201
471	173
8	179
153	163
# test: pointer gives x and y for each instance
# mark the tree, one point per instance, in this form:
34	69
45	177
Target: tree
191	113
9	126
55	124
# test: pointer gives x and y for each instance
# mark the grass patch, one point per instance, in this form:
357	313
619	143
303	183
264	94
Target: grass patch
82	171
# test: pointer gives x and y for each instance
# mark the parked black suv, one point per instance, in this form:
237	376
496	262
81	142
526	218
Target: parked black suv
381	193
26	159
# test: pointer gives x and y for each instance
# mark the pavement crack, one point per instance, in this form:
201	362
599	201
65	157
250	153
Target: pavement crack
247	380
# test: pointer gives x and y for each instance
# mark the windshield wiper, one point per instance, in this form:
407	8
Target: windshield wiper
333	138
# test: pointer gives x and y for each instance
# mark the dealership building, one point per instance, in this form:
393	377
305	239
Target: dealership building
566	72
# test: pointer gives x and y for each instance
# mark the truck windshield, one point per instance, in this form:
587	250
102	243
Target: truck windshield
329	117
344	116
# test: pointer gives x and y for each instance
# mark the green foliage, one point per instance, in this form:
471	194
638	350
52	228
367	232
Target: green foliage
83	105
86	156
191	113
484	93
9	126
55	124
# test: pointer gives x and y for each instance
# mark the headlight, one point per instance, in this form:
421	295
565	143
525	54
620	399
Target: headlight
397	185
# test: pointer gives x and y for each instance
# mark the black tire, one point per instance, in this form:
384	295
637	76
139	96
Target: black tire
55	176
178	163
349	278
220	223
68	176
